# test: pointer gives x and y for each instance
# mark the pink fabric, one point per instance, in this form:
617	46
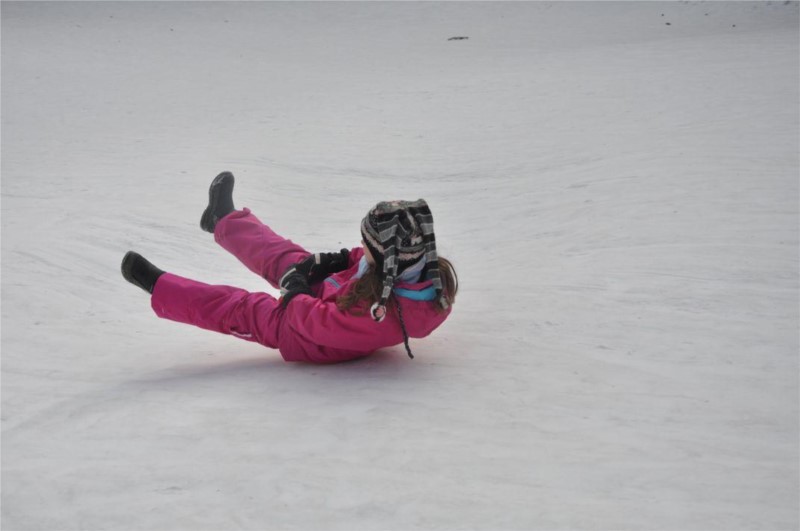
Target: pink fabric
310	328
255	245
251	316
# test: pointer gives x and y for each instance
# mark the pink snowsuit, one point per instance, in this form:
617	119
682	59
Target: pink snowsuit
310	328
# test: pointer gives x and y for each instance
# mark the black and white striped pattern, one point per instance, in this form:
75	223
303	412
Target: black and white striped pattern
399	234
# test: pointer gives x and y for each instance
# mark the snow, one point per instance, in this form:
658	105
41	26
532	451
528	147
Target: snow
619	197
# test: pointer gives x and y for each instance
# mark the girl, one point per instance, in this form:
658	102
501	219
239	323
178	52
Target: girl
334	306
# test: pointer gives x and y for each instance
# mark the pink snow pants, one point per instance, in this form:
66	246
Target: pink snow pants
251	316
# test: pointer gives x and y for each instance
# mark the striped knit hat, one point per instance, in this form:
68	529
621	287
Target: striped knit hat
399	234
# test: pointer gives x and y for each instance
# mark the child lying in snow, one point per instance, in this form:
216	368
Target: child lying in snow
334	306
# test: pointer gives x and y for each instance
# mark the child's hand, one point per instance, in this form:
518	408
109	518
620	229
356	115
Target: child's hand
295	281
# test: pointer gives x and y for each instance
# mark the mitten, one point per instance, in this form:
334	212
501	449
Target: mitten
323	265
294	282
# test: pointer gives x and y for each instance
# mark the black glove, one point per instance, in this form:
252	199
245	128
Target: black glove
295	281
323	265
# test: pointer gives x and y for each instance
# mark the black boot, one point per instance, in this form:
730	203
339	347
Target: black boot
139	272
220	201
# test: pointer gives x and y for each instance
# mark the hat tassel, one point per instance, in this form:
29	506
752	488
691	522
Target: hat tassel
378	311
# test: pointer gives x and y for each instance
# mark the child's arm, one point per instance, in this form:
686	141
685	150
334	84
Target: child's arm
323	265
324	324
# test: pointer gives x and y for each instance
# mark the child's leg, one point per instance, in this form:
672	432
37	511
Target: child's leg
250	316
256	246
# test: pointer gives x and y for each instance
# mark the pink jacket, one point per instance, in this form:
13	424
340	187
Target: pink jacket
314	329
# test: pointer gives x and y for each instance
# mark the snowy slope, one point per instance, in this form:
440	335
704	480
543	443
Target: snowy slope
619	196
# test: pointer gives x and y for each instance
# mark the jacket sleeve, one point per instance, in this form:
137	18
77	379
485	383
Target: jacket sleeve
324	324
355	256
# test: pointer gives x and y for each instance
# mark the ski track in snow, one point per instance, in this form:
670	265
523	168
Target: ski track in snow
619	196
